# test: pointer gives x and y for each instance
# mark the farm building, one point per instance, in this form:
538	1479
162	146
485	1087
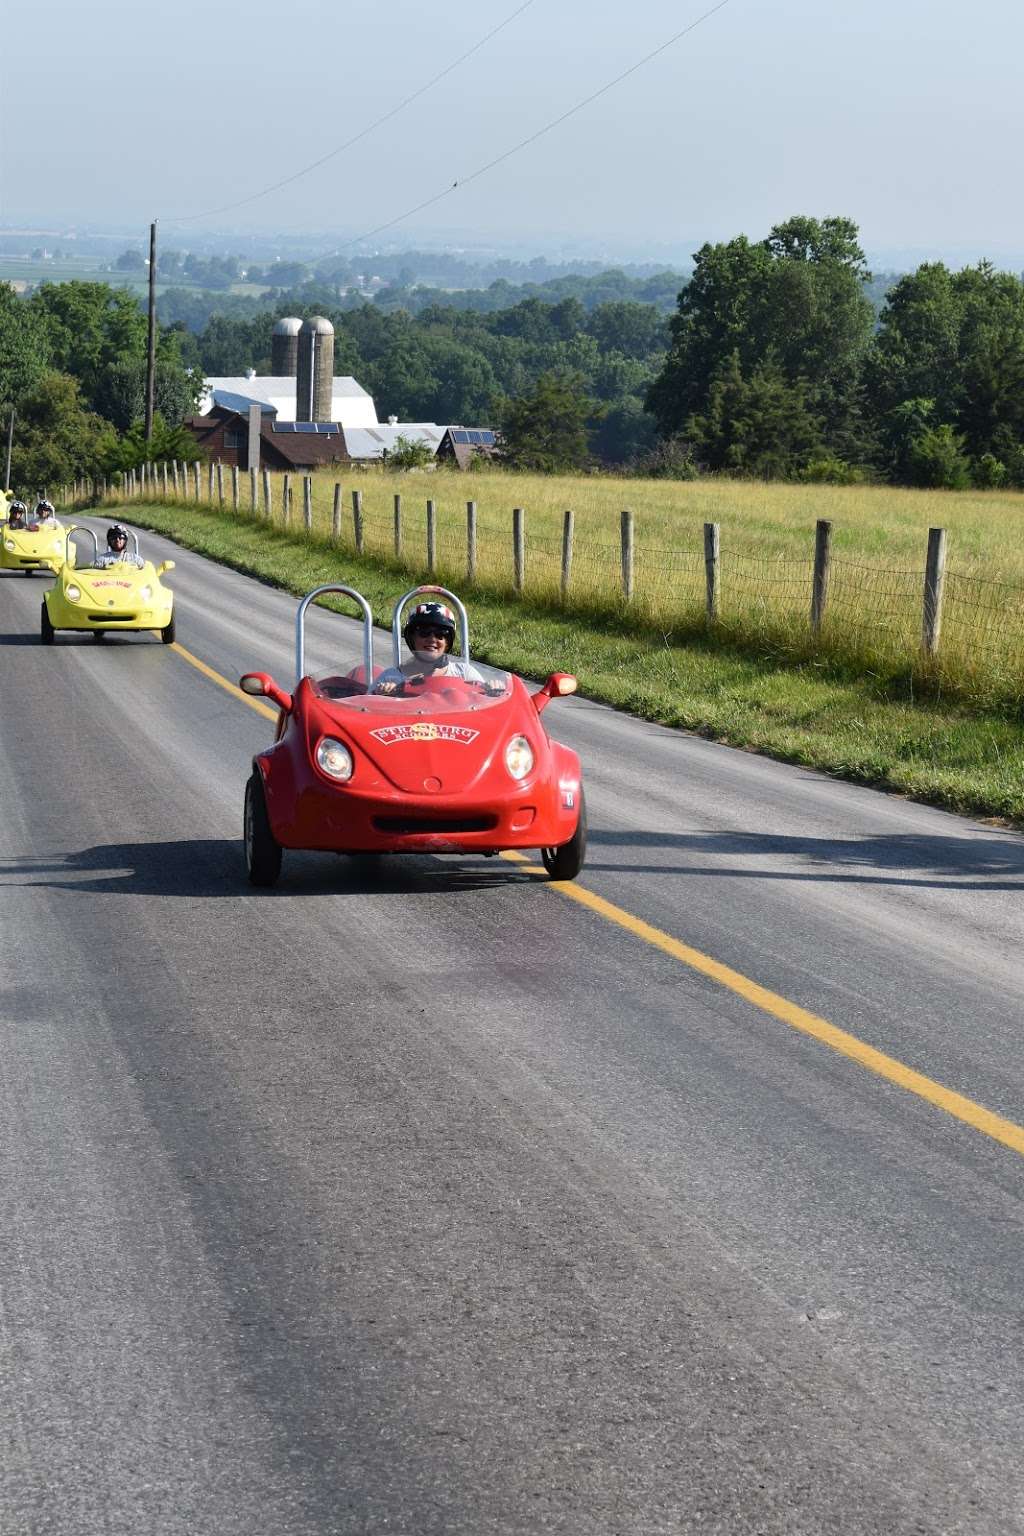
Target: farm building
308	417
223	434
350	403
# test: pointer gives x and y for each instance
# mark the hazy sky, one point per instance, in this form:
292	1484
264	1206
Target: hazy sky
906	115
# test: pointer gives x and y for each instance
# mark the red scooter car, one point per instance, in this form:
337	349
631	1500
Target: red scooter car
442	765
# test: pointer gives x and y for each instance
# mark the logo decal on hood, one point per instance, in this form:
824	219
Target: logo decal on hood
424	730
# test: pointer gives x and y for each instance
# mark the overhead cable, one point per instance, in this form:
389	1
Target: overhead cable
464	181
363	132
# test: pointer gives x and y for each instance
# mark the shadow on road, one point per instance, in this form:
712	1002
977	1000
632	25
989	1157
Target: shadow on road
199	868
989	862
23	638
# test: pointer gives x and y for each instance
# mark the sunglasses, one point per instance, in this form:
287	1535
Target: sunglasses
432	629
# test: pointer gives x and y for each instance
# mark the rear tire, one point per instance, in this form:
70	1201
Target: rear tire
565	863
99	634
262	850
46	630
167	633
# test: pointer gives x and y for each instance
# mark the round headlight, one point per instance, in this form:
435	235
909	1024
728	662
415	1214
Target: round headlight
8	543
73	593
146	593
334	758
519	757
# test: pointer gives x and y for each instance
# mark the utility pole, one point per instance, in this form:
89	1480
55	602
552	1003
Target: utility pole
151	354
10	444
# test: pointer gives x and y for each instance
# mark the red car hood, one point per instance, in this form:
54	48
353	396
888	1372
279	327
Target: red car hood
433	750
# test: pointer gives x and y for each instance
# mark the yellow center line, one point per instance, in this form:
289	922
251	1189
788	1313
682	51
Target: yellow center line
956	1104
222	682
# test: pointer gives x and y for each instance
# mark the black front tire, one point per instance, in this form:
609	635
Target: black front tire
46	629
99	634
167	633
262	850
565	863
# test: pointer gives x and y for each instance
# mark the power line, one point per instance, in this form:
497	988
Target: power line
532	138
363	132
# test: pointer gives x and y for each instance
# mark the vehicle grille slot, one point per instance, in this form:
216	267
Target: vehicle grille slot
409	824
111	618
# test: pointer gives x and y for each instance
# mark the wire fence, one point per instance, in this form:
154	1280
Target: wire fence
962	627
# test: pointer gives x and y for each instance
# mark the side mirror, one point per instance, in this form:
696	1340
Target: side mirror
262	685
165	565
558	685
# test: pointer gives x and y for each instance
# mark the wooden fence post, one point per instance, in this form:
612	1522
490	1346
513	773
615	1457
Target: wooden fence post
712	571
195	468
431	537
174	477
253	492
307	503
357	520
568	531
220	483
336	513
234	487
286	502
518	548
627	555
163	479
470	542
934	587
398	525
268	503
210	483
822	567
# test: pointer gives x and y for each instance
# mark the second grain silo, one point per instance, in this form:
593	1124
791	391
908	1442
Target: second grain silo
315	379
284	347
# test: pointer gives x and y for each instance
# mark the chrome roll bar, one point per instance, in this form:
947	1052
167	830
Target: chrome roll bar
300	629
396	622
80	528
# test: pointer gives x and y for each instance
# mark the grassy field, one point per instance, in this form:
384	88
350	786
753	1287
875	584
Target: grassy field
874	617
891	729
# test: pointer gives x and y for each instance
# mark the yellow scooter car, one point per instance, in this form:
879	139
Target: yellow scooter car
126	593
32	547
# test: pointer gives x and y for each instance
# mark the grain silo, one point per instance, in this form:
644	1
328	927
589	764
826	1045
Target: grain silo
284	347
316	370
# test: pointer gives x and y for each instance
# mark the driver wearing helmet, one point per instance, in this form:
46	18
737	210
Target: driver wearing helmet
430	634
17	517
117	549
45	514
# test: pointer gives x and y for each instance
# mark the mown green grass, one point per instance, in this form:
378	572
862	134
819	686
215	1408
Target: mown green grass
869	729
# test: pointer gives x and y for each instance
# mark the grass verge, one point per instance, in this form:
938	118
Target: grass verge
806	711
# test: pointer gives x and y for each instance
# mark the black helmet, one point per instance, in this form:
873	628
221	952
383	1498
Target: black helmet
44	506
117	537
430	616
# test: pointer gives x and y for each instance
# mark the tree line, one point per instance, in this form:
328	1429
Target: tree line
785	358
73	367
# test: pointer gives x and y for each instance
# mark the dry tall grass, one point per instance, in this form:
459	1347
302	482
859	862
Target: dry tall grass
767	544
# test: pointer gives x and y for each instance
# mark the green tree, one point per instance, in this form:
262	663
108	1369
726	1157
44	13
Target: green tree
957	340
759	425
409	453
547	429
793	302
24	353
90	326
56	439
129	451
937	459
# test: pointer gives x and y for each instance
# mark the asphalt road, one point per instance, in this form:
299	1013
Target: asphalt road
423	1199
